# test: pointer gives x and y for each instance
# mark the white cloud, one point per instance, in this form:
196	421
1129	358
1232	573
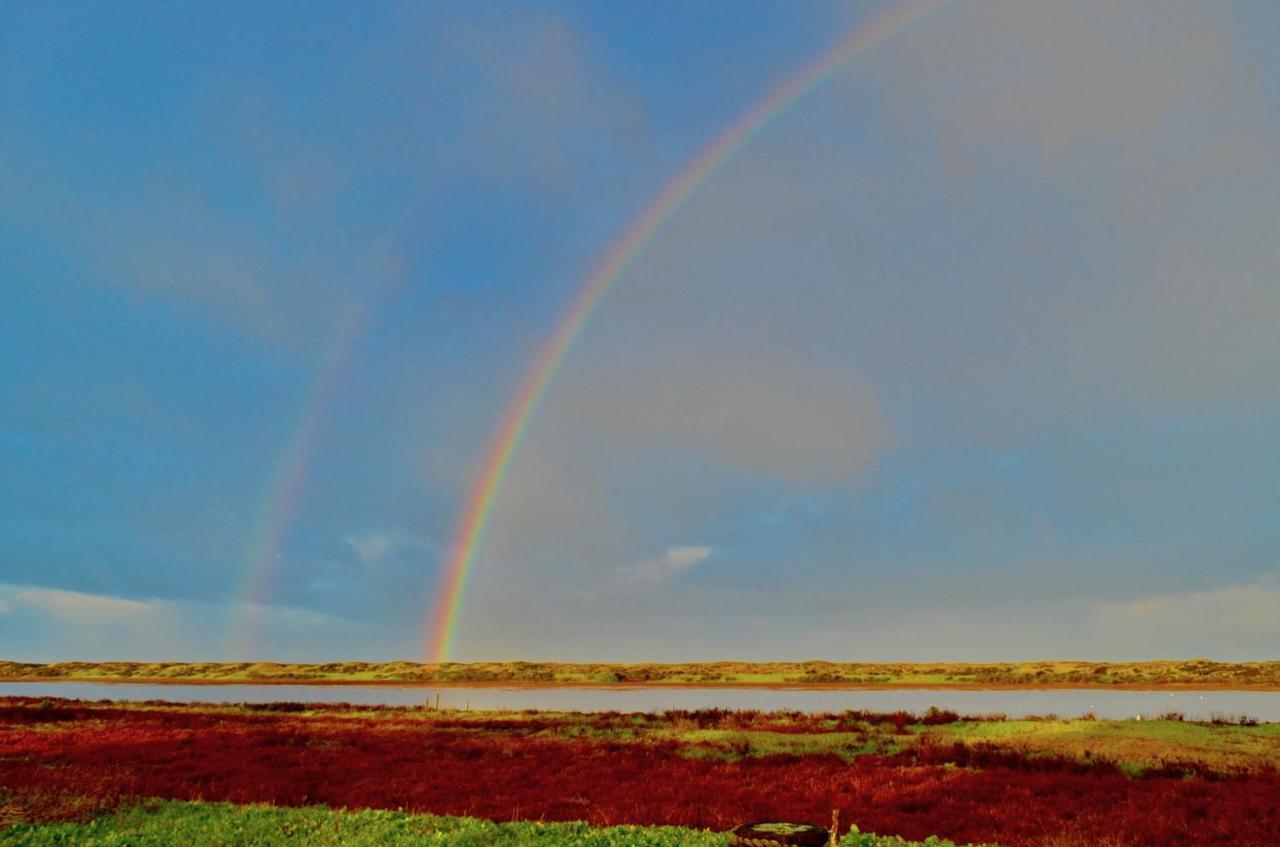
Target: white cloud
377	546
39	623
1245	608
371	547
78	607
656	572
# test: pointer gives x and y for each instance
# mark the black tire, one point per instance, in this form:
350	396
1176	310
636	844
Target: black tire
778	835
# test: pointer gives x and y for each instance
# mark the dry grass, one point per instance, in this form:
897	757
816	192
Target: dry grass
1191	673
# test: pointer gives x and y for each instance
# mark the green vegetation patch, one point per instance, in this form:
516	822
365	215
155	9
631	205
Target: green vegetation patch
1137	744
225	825
158	823
737	744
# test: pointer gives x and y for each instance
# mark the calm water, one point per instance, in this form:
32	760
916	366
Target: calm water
1264	705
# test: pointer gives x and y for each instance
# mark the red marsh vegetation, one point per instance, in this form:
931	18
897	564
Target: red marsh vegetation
62	759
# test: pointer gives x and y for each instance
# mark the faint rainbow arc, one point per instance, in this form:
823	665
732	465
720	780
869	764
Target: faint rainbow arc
515	419
288	477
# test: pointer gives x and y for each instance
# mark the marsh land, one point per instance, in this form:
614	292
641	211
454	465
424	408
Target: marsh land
158	773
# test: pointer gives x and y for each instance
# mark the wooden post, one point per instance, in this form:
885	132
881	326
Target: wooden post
437	699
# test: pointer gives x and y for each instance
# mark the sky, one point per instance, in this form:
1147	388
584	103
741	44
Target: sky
969	354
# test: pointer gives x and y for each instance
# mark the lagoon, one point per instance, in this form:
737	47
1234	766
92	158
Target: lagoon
1015	703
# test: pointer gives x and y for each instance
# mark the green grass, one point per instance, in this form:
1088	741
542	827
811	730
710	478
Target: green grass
224	825
735	744
157	823
1138	744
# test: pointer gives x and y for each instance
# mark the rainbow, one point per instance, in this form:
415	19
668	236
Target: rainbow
290	472
515	419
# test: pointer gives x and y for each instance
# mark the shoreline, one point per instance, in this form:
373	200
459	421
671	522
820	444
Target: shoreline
628	686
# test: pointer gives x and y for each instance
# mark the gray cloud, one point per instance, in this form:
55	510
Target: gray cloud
718	357
769	413
1233	622
1065	79
1016	222
1136	142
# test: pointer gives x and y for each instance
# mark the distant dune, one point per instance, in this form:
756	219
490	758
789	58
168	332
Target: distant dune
1193	673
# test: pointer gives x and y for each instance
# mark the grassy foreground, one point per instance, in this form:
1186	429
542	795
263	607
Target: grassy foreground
75	772
1048	674
159	823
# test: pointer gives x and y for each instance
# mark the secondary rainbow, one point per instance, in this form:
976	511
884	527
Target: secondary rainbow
474	516
287	480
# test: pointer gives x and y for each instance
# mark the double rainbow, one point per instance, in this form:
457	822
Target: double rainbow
515	420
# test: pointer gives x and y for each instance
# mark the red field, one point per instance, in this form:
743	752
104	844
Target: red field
72	760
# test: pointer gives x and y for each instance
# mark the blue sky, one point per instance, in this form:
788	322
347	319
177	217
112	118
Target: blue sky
970	354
